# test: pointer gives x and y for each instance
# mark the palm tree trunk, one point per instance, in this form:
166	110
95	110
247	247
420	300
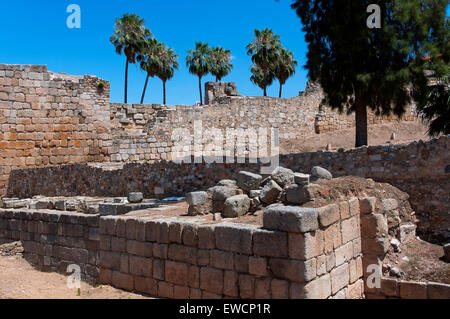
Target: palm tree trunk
265	90
200	89
164	92
145	89
281	88
126	82
361	122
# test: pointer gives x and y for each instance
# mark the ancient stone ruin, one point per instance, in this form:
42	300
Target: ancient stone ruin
88	182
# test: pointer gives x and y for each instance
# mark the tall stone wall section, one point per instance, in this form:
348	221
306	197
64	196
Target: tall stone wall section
50	119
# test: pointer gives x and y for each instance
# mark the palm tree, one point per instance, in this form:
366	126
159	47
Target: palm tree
168	66
260	78
264	50
285	67
199	63
150	58
220	62
128	37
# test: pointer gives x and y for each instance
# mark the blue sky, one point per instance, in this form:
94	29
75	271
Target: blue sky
35	32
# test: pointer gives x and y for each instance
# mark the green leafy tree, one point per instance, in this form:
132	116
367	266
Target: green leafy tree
168	66
261	78
128	37
264	50
220	62
285	67
360	67
199	63
150	60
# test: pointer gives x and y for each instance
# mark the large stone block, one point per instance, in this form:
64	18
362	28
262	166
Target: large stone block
340	278
344	254
196	198
374	226
350	229
367	205
211	280
319	288
236	206
176	273
270	243
283	176
328	215
291	219
306	246
270	192
234	237
248	181
293	270
141	266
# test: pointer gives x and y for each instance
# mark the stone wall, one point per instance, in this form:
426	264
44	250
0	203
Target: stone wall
54	240
216	91
50	119
420	169
298	253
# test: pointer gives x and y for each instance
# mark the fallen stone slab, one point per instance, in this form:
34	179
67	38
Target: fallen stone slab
301	179
270	192
248	181
321	173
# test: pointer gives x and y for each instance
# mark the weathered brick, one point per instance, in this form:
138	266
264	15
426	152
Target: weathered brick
328	215
246	286
258	266
413	290
230	284
344	254
279	289
190	235
340	278
350	229
294	270
141	266
122	281
206	239
319	288
146	285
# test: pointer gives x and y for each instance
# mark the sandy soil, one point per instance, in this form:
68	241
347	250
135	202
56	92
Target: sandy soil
18	280
406	132
424	262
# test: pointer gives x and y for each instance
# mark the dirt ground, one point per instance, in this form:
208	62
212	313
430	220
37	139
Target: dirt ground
18	280
406	132
424	262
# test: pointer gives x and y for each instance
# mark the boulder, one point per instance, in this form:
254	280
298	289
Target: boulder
298	195
283	176
301	179
320	173
135	197
227	182
270	193
447	252
248	181
236	206
396	245
254	193
196	198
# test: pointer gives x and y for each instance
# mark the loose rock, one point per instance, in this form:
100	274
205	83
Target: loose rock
248	181
135	197
283	176
236	206
270	193
321	173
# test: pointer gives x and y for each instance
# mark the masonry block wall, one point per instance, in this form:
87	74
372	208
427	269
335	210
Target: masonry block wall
54	240
420	169
50	119
316	255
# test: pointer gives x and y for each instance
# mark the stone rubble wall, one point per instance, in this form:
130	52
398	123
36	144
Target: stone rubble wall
54	240
420	169
50	119
392	288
